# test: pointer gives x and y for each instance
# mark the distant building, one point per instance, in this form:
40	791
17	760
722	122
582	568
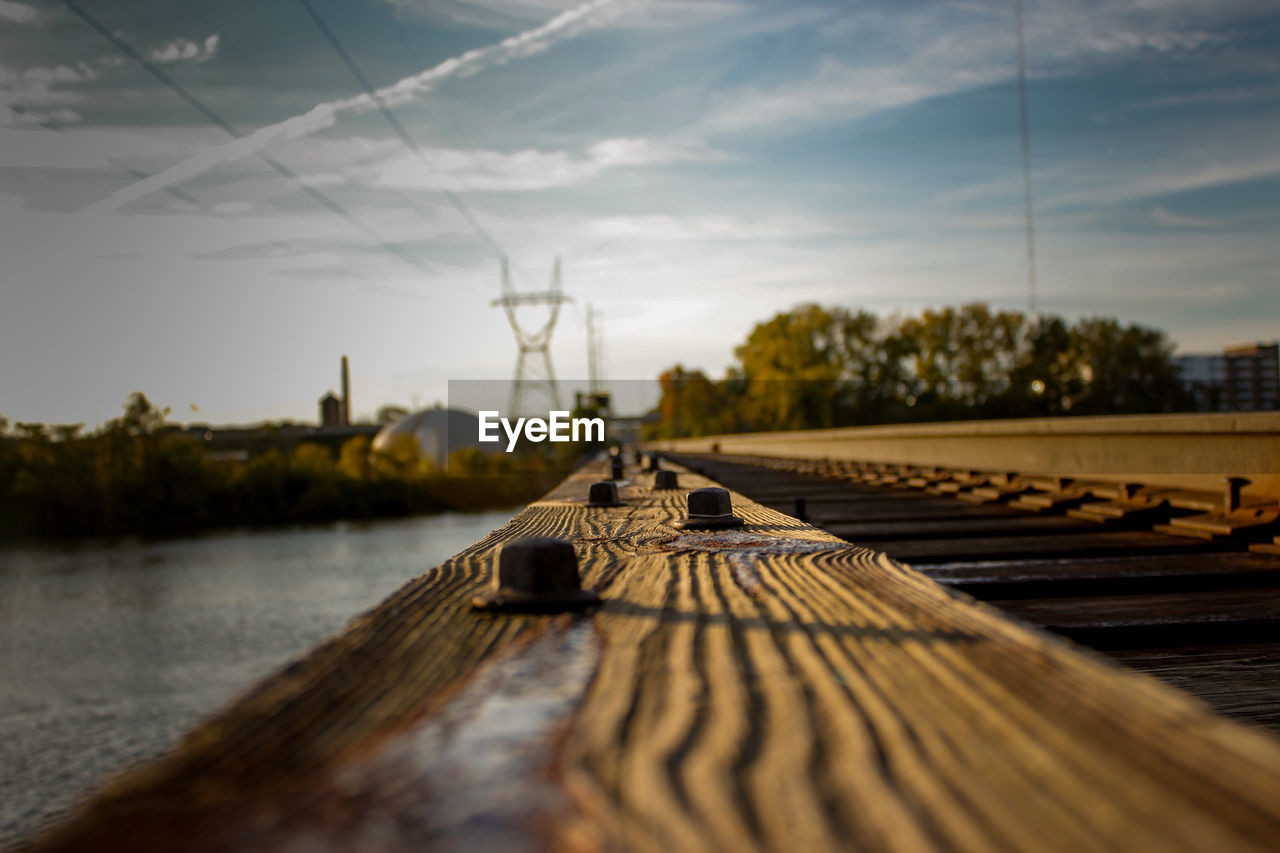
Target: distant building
437	432
336	411
346	393
1251	377
330	411
1241	379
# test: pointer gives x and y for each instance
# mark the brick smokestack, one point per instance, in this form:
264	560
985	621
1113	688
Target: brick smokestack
346	393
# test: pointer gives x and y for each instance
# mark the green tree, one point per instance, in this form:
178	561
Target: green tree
692	404
818	367
1124	369
794	366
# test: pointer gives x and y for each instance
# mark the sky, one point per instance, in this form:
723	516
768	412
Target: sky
699	165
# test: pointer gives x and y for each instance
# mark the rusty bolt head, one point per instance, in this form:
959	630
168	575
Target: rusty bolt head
709	509
603	493
666	480
536	574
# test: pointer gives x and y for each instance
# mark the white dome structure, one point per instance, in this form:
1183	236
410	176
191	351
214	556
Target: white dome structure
437	431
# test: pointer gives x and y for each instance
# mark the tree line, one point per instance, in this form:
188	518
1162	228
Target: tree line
138	475
814	367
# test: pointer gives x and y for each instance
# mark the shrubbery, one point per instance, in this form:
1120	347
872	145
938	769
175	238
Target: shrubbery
133	476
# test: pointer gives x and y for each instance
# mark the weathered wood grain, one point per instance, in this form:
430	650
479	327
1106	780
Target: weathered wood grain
765	688
1101	543
1242	680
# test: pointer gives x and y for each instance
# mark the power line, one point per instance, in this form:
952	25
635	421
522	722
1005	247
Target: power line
58	127
248	61
196	104
1026	159
390	117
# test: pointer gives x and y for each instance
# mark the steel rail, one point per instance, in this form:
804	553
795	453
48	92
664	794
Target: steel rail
1191	452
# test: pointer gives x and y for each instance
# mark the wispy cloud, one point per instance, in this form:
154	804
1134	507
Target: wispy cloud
840	92
1178	220
917	53
19	13
1172	176
39	86
505	13
322	116
185	50
494	171
30	148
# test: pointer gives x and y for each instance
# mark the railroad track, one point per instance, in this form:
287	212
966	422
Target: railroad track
1139	573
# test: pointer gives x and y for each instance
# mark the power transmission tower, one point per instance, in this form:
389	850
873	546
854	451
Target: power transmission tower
534	373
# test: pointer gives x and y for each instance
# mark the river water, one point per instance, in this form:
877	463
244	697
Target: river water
109	651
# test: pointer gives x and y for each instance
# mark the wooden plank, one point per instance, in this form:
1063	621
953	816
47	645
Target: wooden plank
1165	610
809	487
1108	575
940	509
765	688
1242	681
1100	544
968	527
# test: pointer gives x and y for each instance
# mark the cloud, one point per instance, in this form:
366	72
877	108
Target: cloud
494	171
661	228
51	74
1173	176
506	13
38	85
26	116
19	13
185	50
1130	41
31	148
908	54
325	115
1177	220
842	92
484	13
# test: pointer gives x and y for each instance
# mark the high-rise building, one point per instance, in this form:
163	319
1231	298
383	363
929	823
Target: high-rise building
1242	379
1251	377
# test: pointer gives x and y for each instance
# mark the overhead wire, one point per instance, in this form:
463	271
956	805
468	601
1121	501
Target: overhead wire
206	111
405	137
1025	126
56	126
411	203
